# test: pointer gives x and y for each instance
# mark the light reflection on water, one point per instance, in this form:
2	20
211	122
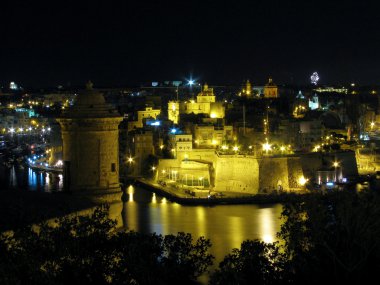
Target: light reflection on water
26	178
227	226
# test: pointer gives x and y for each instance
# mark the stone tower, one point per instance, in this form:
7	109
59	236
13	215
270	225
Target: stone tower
91	145
270	89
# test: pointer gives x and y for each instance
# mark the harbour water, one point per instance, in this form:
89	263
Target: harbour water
227	226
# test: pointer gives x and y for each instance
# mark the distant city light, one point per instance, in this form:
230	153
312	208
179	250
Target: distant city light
191	82
314	78
13	86
173	130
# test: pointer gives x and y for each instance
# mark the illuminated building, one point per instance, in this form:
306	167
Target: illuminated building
314	102
300	106
148	113
182	142
90	137
331	90
142	148
173	111
270	89
205	104
247	90
212	136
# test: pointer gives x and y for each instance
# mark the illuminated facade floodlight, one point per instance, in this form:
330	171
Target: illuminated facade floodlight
302	181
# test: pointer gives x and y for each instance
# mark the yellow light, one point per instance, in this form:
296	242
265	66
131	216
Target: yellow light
214	142
173	150
224	147
161	146
186	156
235	148
153	168
336	164
130	159
163	171
267	147
302	181
213	115
282	148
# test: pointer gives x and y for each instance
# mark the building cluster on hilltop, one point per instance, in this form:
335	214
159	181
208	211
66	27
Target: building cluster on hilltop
222	137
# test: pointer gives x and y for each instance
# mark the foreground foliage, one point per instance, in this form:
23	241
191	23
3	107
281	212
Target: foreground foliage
326	239
89	250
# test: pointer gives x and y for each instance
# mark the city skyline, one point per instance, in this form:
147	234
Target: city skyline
131	43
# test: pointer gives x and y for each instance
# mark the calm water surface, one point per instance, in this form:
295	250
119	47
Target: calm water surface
226	225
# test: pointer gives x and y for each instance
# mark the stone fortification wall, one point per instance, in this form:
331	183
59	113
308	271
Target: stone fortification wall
251	175
273	172
245	174
295	171
237	174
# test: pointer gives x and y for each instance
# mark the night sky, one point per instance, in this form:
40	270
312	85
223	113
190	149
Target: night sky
221	42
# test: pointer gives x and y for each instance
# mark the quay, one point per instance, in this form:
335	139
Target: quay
219	198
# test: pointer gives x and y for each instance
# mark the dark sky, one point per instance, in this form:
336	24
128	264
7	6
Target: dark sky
129	42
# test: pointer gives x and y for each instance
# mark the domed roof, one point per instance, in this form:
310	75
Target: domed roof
90	104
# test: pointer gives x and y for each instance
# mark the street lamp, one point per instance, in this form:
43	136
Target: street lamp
336	165
267	147
130	159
